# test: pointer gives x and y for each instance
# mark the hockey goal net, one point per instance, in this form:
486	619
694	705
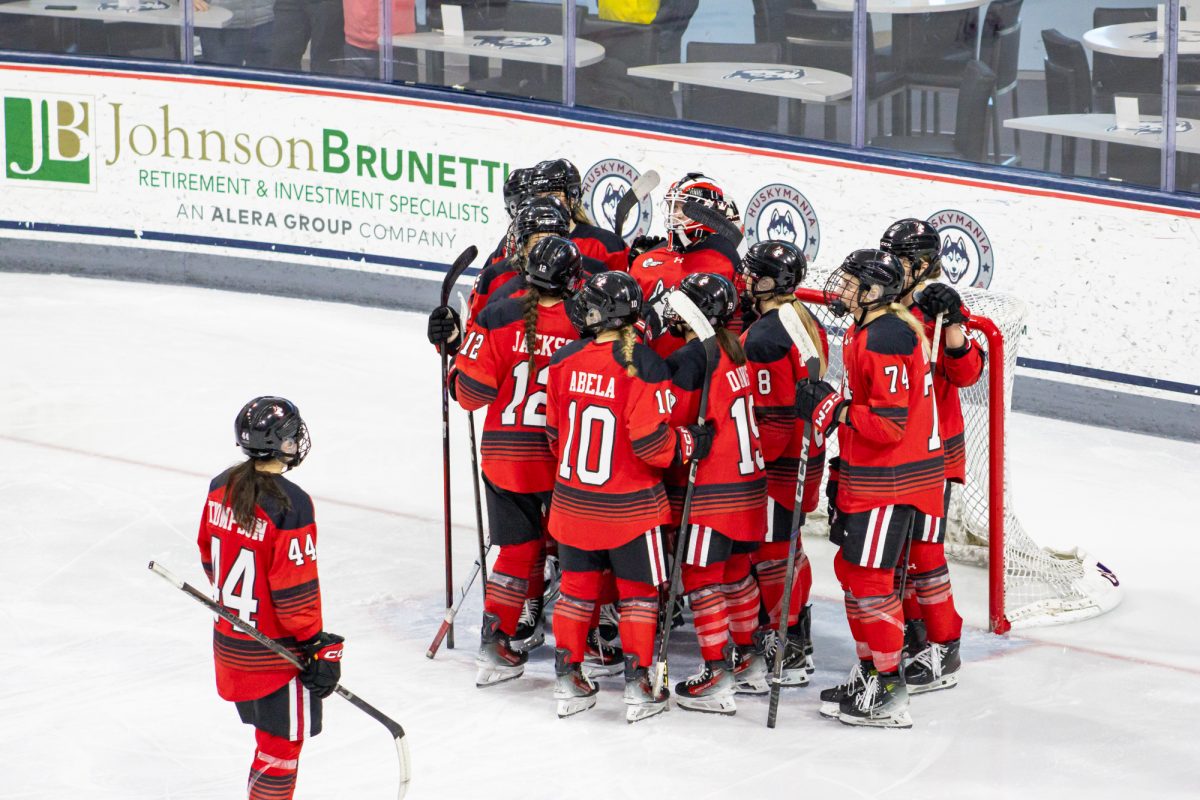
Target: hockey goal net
1028	585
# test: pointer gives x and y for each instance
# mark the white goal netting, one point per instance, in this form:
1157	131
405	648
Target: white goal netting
1041	586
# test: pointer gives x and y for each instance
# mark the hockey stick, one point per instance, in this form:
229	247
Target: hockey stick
466	317
452	612
452	275
278	649
635	195
695	320
711	218
812	365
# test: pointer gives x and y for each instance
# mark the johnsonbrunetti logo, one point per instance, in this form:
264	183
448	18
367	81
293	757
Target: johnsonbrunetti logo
48	140
967	256
781	213
604	184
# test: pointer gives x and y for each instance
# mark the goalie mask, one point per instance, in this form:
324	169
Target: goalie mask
682	231
866	280
271	427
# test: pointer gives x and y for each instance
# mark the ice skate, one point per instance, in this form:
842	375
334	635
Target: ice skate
710	691
795	664
831	699
803	630
935	667
601	658
914	639
640	700
749	671
497	661
553	576
530	633
572	689
882	703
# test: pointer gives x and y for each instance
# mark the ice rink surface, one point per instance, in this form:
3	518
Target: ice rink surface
115	410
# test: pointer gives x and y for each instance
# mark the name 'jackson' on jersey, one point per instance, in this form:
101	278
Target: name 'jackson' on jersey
731	485
890	447
268	577
492	369
613	438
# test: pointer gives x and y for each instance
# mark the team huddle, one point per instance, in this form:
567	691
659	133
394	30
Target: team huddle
669	398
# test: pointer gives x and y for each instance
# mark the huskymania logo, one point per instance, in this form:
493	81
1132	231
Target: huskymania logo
48	139
781	213
604	184
967	257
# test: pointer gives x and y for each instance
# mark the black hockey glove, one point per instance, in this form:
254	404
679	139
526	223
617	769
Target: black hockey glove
940	298
643	244
323	669
443	328
693	442
820	402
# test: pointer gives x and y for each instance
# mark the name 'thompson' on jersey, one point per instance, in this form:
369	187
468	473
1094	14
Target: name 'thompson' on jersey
612	436
891	447
268	577
492	369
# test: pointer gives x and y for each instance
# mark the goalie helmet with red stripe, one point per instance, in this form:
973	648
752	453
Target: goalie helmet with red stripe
682	231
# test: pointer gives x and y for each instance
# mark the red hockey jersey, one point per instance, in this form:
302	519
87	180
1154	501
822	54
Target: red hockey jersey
268	577
731	483
660	270
602	245
891	448
953	372
775	368
612	437
492	369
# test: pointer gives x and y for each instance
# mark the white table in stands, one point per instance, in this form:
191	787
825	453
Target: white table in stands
214	17
1140	40
784	81
532	48
1103	128
902	6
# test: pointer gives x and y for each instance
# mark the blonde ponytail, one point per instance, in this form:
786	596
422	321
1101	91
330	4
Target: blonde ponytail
628	340
814	333
911	321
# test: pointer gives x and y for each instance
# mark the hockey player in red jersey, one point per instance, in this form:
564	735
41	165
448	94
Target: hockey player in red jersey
727	519
502	364
689	247
535	219
891	467
608	420
772	271
258	547
932	624
560	178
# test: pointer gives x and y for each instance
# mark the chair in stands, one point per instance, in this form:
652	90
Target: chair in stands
1068	91
729	108
1112	74
530	80
824	40
969	141
930	50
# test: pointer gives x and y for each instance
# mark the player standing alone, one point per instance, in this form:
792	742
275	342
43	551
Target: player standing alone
891	467
502	363
258	546
608	419
932	624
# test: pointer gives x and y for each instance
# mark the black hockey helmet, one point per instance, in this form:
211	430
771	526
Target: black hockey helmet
917	241
555	266
608	301
557	175
541	215
516	189
271	427
714	296
773	267
870	269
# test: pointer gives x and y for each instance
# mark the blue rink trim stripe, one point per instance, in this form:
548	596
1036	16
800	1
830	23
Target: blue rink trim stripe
240	244
1108	375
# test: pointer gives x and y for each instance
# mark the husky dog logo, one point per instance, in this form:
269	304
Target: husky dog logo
967	257
604	184
753	75
780	212
501	42
1181	126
